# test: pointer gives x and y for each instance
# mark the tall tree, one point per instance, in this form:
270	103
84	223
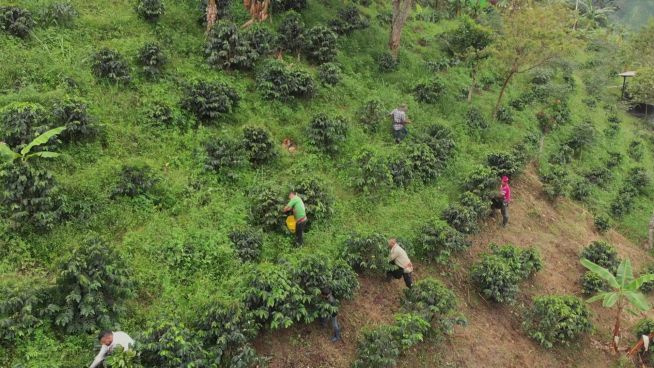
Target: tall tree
401	9
533	36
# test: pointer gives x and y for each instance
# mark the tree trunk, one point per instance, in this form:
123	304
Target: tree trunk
616	329
473	75
401	9
506	83
212	14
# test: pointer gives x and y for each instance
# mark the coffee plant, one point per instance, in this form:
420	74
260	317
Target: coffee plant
504	115
410	329
366	253
73	114
22	122
320	44
602	254
22	309
638	179
266	209
371	115
134	181
475	120
224	157
372	172
162	114
91	287
562	156
261	39
317	200
16	21
152	59
344	280
291	32
624	201
349	19
327	133
614	160
556	182
110	66
208	101
504	163
525	262
422	163
437	241
247	244
401	172
285	5
378	348
277	81
60	14
580	190
259	146
636	150
602	223
312	274
272	297
387	63
465	215
599	175
229	48
482	181
430	299
591	284
429	91
557	320
170	344
582	136
150	10
329	74
440	140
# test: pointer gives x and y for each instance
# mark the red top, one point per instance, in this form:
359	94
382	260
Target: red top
506	192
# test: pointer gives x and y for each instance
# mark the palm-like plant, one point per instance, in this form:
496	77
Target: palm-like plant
8	155
624	291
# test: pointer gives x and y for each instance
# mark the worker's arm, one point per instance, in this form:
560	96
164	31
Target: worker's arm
392	255
100	356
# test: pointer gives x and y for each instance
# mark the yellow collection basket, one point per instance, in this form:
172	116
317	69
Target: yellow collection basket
290	223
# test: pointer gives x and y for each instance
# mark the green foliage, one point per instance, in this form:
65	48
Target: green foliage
371	114
277	81
556	182
430	299
504	115
464	216
525	262
599	175
371	172
475	120
91	287
602	223
162	114
208	101
344	281
229	48
110	66
636	150
327	133
73	114
422	163
348	20
557	320
22	308
541	76
504	163
259	146
247	244
170	344
150	10
410	329
16	21
313	275
320	44
329	74
366	253
440	140
648	286
580	190
284	5
387	63
152	59
438	241
291	33
378	348
224	157
643	327
261	38
602	253
638	179
266	209
60	14
582	136
482	181
591	284
30	196
429	91
624	201
22	122
317	200
470	37
273	298
134	181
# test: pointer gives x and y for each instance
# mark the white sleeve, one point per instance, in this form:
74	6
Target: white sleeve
100	356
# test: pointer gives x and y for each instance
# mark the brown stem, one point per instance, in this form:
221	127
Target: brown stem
616	328
506	83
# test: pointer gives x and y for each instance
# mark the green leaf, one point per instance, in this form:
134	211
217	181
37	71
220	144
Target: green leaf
602	272
625	273
44	154
610	300
638	300
596	298
637	283
6	154
42	139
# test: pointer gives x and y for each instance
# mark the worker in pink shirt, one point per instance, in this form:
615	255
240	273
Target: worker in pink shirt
505	196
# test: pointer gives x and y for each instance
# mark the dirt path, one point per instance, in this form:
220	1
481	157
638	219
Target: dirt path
493	337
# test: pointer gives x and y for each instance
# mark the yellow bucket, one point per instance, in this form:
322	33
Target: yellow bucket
290	223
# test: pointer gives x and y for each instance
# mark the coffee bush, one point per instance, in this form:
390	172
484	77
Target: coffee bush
440	140
344	280
475	120
169	344
495	278
23	309
16	21
134	180
401	171
317	200
291	33
582	136
504	163
371	172
438	241
320	44
422	163
378	348
266	209
224	157
599	175
556	182
580	190
602	223
371	115
603	254
525	262
482	181
259	146
348	20
648	286
111	66
247	243
284	5
429	91
592	284
636	150
229	48
150	10
261	39
74	115
277	81
387	63
624	201
162	114
557	320
313	275
430	299
152	59
464	216
638	179
22	122
366	253
504	115
614	160
208	101
60	14
327	133
329	74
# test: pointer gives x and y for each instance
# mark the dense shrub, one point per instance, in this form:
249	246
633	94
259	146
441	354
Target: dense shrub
580	190
636	150
556	182
22	308
152	59
387	63
344	280
582	136
482	181
208	101
592	284
504	163
557	320
317	201
134	181
320	44
16	21
313	275
371	172
261	38
73	114
400	170
291	33
224	157
327	133
442	64
422	163
438	241
272	297
614	160
603	254
266	209
599	175
440	140
464	216
624	201
111	66
277	81
371	114
541	76
648	286
150	10
91	287
170	344
329	74
602	223
643	327
284	5
562	156
430	299
60	14
161	114
30	196
410	329
429	91
348	20
378	348
475	120
247	244
525	262
258	145
21	123
366	253
227	47
504	115
638	179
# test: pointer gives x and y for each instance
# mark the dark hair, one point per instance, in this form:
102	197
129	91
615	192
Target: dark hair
104	334
325	290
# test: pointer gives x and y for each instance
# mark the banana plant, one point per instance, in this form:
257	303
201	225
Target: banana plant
624	292
7	155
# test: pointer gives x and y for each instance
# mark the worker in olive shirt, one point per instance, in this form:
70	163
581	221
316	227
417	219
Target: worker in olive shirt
401	261
299	212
